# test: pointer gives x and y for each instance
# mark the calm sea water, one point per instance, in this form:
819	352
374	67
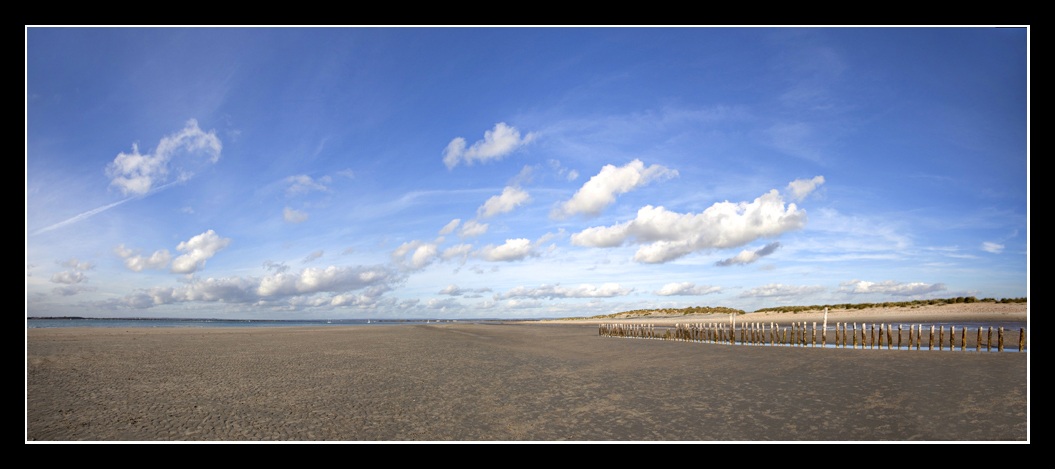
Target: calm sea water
47	323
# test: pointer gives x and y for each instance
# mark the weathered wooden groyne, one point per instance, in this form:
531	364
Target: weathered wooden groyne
843	335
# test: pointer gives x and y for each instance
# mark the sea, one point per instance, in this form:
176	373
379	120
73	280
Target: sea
95	322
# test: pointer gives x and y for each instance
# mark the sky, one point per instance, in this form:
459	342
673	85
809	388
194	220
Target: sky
318	173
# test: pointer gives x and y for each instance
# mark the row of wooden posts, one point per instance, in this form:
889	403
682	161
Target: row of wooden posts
801	335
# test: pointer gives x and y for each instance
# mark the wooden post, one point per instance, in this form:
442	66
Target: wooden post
952	338
1000	346
814	333
855	335
899	336
1021	339
978	343
941	336
824	335
989	340
930	343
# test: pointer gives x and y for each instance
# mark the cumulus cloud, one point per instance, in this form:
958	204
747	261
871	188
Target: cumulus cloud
137	173
607	290
454	290
686	289
76	265
420	254
312	256
993	247
136	263
497	143
449	228
457	251
292	216
302	184
670	235
602	189
510	198
512	250
197	250
890	287
515	249
747	257
472	229
779	290
800	188
69	277
296	288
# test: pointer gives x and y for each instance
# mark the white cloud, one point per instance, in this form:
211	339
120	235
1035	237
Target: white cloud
313	256
198	249
778	290
449	228
673	235
292	216
512	250
302	184
136	173
607	290
511	198
294	289
573	175
454	290
348	173
72	263
602	189
472	229
800	188
515	249
686	289
456	251
69	277
747	257
137	263
497	143
331	279
993	247
890	287
421	254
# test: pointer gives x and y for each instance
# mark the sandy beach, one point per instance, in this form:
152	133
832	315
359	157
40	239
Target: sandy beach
473	382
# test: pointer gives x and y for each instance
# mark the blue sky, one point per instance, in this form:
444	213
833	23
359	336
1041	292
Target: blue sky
520	172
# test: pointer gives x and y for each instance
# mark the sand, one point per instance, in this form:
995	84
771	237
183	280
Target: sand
472	382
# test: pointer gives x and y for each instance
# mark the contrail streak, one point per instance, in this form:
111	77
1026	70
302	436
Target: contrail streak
100	209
